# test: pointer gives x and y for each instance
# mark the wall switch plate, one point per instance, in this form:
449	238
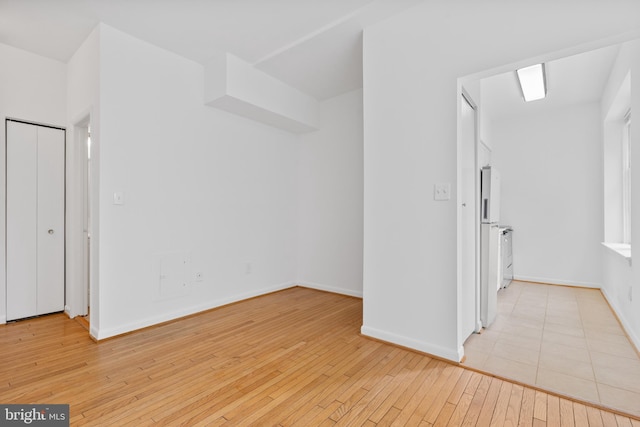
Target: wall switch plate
118	198
442	191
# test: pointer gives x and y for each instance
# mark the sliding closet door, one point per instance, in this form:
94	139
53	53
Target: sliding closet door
35	220
22	204
50	221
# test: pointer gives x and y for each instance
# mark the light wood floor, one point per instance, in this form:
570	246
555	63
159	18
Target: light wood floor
290	358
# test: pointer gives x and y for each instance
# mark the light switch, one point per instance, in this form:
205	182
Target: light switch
442	191
118	198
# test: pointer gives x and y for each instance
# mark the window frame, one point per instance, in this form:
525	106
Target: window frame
626	179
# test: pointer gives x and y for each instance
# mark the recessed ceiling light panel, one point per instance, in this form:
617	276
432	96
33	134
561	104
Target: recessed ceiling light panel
532	82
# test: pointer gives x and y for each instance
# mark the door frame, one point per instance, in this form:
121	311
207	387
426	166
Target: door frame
464	96
79	282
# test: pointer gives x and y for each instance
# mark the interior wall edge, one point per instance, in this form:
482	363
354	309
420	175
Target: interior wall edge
329	288
452	354
619	313
560	282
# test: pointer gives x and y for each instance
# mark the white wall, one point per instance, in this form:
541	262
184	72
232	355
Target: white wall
411	65
215	187
551	167
621	282
251	207
32	88
330	198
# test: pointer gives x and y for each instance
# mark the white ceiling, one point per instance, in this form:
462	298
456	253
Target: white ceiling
313	45
576	79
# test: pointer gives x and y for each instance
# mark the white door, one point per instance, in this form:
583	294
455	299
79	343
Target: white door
469	219
35	220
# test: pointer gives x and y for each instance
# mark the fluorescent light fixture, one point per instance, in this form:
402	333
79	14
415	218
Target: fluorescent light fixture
532	82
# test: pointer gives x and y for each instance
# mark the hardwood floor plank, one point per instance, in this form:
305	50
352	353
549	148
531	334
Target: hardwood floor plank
566	413
471	419
294	357
445	415
527	408
407	376
594	418
389	417
540	408
539	423
553	411
502	404
460	387
489	404
512	417
417	396
623	421
458	416
608	419
580	415
438	397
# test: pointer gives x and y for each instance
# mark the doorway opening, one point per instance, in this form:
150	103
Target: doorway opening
79	207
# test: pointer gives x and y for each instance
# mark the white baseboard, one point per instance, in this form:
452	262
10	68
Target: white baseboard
551	281
625	323
3	319
452	354
103	333
332	289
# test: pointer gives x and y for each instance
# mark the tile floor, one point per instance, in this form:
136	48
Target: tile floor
561	339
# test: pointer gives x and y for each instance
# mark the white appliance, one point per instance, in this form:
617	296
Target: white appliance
490	236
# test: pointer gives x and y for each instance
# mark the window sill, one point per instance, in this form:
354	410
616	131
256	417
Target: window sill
621	249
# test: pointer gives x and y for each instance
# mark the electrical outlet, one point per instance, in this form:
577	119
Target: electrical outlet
442	191
198	276
630	293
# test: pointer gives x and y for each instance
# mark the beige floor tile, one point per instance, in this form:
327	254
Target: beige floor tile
564	329
603	336
566	384
611	329
521	331
571	313
528	311
560	363
525	354
555	337
615	377
623	349
474	358
606	359
530	343
483	342
615	371
574	321
598	315
505	308
499	323
620	399
517	319
552	349
532	302
512	369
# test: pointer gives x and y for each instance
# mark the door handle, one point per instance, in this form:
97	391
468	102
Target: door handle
50	231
